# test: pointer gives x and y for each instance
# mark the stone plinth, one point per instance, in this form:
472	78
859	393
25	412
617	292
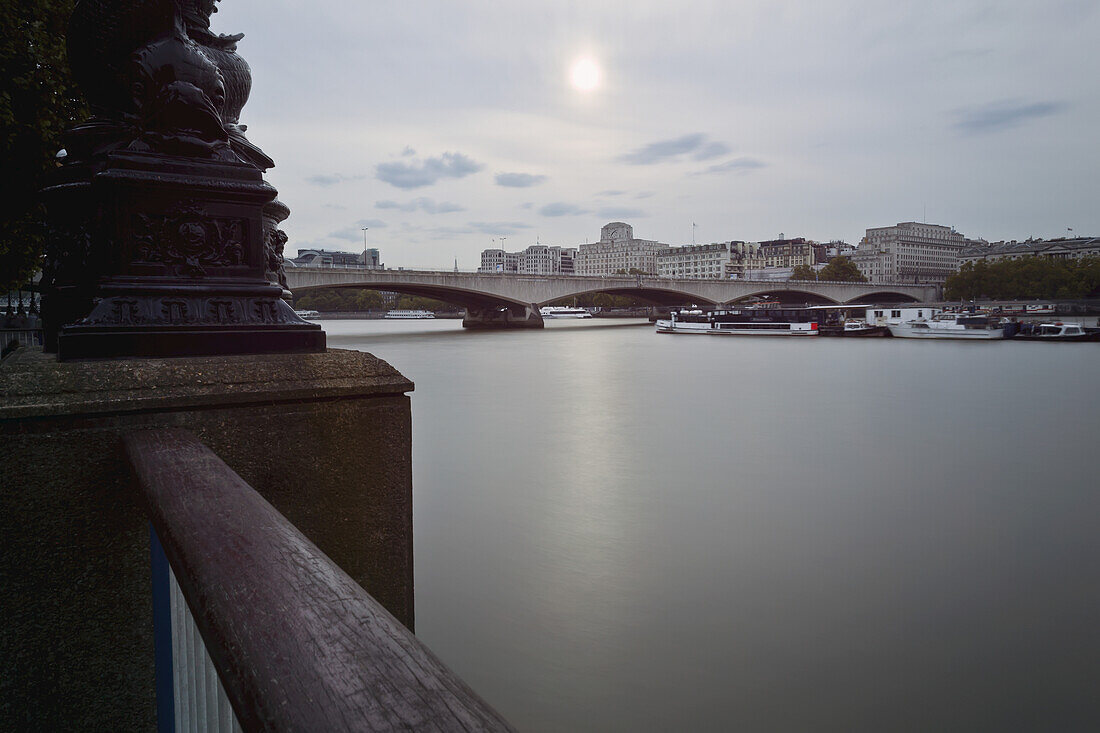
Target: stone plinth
325	437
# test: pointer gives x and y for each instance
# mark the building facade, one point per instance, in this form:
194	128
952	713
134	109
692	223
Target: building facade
1068	248
617	252
722	260
369	259
788	253
910	252
538	259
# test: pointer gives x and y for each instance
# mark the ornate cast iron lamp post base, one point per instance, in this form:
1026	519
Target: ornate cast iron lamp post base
173	262
164	237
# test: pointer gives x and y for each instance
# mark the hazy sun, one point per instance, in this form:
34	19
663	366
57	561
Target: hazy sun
584	75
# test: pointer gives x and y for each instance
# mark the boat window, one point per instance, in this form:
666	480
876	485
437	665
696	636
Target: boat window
895	314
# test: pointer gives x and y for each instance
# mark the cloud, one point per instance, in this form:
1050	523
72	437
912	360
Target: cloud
519	180
416	175
712	149
661	151
561	209
611	193
327	180
997	116
620	212
407	152
499	227
428	206
737	165
448	232
354	233
645	195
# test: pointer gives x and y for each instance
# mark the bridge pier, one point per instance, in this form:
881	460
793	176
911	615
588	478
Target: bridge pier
496	316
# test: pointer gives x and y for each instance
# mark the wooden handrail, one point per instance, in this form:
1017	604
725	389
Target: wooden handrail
297	644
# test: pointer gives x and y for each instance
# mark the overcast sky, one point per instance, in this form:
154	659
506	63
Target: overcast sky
443	125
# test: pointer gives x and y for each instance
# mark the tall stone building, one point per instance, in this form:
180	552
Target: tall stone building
538	259
722	260
787	252
618	252
909	252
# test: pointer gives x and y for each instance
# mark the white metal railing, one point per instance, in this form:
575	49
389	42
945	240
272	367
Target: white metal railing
199	700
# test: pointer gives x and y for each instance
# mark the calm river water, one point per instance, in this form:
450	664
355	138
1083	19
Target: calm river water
622	531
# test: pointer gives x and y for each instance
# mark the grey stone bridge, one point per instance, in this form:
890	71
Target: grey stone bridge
495	300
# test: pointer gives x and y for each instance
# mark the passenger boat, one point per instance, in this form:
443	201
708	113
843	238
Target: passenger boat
965	326
561	311
1054	332
408	314
742	322
685	321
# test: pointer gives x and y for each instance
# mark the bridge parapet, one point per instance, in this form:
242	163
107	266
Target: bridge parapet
481	291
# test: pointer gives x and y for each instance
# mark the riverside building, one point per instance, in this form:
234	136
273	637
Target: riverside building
722	260
1063	248
618	252
538	259
787	253
911	252
368	259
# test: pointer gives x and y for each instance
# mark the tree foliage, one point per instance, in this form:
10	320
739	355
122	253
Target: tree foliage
1027	277
354	300
603	300
841	269
803	272
38	102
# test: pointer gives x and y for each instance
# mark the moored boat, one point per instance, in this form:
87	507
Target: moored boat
854	327
742	322
408	314
561	311
963	326
1054	332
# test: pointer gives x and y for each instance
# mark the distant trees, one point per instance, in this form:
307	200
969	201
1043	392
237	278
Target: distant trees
352	300
803	272
841	269
1027	277
38	101
603	300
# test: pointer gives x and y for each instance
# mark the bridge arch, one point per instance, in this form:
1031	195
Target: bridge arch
448	294
787	296
885	296
657	296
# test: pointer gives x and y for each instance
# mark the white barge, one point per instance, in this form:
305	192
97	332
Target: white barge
962	326
769	321
561	311
408	314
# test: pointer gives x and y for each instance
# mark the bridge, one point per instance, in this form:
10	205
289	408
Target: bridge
498	300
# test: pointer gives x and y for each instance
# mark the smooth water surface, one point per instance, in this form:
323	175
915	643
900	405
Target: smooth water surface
617	530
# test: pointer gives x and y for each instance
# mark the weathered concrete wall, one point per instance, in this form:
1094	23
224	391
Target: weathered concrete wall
326	438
